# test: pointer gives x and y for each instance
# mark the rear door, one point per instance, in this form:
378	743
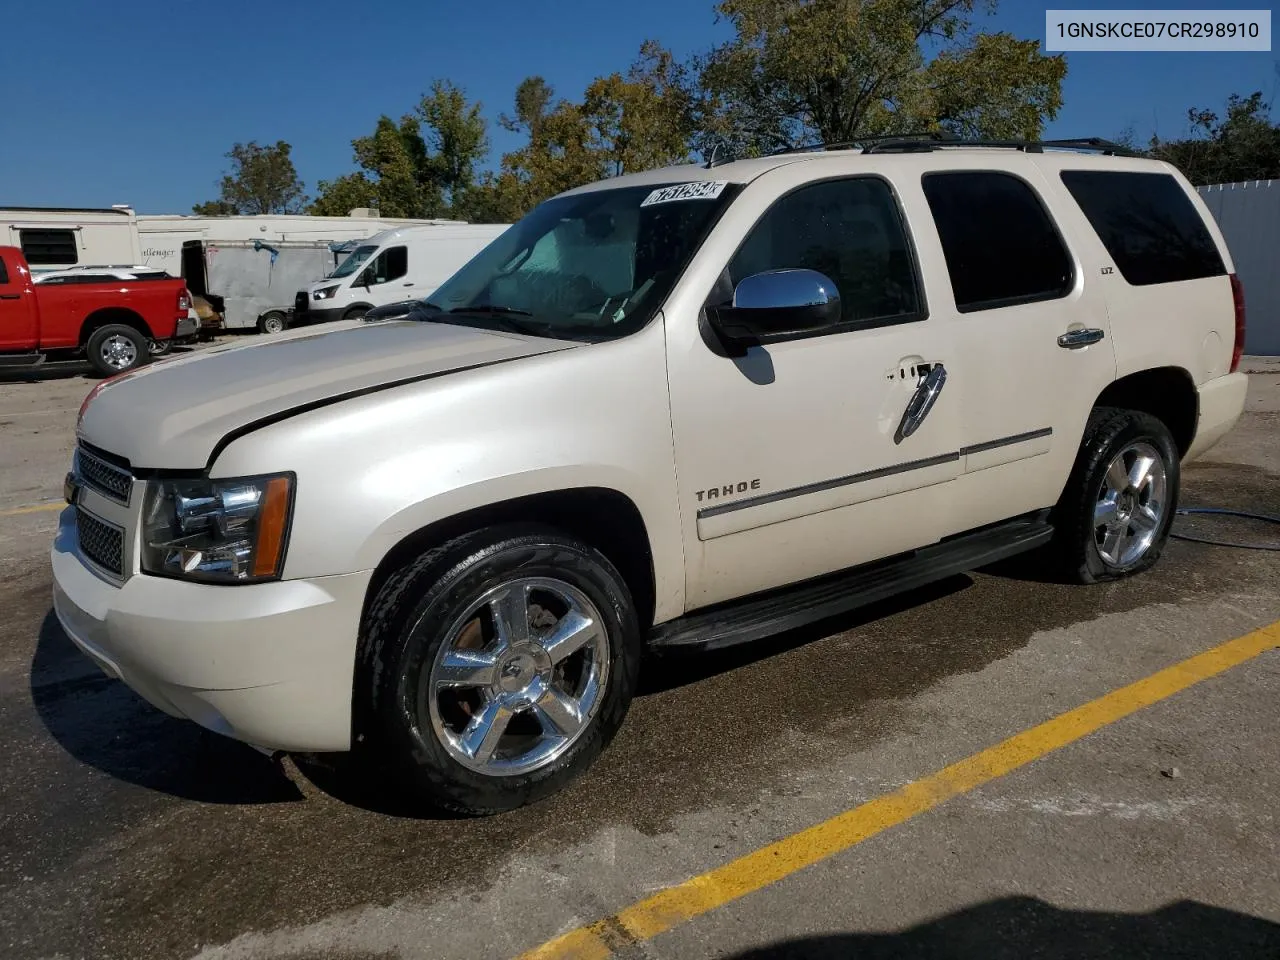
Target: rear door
1032	337
19	320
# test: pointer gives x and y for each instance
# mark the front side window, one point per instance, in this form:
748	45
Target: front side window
390	264
1147	223
44	248
849	230
595	265
1000	246
355	260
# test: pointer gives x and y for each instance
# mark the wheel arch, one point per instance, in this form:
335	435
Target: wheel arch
602	517
109	315
1167	393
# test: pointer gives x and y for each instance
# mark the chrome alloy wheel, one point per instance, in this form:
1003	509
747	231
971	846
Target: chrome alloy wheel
518	678
1130	506
118	353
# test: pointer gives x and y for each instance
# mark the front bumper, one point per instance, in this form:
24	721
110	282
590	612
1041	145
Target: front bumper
270	664
318	314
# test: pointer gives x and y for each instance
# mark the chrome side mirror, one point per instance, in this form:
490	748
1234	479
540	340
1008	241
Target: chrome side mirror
778	303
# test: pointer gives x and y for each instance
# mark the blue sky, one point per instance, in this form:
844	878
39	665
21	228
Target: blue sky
137	103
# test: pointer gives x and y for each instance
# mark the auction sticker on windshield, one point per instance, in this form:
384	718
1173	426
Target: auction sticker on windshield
694	190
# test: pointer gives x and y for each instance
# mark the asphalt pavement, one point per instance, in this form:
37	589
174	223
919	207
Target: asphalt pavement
127	834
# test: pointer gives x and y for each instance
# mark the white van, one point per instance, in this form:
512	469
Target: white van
407	263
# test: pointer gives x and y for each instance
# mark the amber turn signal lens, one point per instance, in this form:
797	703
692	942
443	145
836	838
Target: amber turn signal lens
271	527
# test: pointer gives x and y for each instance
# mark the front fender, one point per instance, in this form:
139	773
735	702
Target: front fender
374	469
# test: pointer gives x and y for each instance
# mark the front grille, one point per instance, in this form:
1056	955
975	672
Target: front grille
300	302
112	481
101	542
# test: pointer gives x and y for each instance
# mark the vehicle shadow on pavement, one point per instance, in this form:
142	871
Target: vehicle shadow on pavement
1015	928
102	723
678	668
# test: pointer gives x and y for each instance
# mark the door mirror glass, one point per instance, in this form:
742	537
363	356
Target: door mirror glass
779	303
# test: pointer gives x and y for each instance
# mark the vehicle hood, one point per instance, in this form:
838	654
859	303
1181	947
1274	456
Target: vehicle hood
175	412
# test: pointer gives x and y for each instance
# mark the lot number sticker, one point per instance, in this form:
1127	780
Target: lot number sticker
694	190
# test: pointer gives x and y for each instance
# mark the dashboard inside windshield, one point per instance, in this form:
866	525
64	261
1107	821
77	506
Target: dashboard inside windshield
595	264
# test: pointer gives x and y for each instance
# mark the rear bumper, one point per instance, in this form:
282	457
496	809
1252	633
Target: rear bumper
270	664
187	327
1221	404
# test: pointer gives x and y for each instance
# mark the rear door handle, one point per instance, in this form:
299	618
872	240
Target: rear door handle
1075	339
921	402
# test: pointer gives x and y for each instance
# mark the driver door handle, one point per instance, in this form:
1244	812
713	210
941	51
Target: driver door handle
922	401
1075	339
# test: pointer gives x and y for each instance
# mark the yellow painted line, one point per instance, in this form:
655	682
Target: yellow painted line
701	894
34	508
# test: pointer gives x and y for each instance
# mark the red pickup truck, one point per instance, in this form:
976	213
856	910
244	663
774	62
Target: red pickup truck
111	324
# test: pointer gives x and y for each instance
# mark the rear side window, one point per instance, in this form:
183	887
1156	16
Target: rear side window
48	247
1148	224
1000	245
849	230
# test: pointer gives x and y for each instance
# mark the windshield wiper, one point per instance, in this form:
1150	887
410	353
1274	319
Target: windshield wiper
489	308
506	317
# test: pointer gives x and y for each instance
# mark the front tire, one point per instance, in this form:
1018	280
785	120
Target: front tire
497	667
355	313
1114	517
115	348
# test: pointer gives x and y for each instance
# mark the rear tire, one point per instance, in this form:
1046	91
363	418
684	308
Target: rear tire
495	668
159	348
273	321
1115	513
115	348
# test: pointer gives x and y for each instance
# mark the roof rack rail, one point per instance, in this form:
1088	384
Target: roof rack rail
908	145
935	135
929	140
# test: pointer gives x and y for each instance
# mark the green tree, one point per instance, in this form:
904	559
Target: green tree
1242	145
418	166
833	70
624	123
262	180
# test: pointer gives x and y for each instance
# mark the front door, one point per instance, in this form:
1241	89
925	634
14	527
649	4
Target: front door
790	459
1033	351
19	323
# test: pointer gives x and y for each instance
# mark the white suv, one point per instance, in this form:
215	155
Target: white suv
682	408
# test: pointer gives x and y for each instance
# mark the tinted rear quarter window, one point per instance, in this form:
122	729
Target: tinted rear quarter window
1000	245
48	247
1148	224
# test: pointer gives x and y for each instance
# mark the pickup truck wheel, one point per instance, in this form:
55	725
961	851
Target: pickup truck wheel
116	348
158	348
1114	517
498	666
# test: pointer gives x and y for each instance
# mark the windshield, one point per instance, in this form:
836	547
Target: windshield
350	265
595	264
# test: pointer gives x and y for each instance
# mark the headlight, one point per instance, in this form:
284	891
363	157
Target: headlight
324	293
223	531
